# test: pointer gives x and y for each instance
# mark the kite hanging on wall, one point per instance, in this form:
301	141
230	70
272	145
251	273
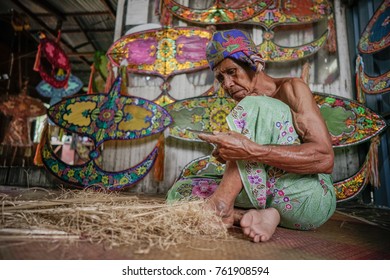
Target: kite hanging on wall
21	108
273	52
49	51
366	84
376	35
162	52
349	123
218	13
294	13
103	117
268	14
375	38
199	114
56	94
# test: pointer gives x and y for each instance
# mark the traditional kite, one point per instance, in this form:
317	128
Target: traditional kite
103	117
162	52
218	13
49	51
22	109
376	35
349	123
73	86
375	38
268	14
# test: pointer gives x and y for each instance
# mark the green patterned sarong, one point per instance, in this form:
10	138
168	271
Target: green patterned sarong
303	201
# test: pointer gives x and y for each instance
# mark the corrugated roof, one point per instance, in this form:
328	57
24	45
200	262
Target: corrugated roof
86	26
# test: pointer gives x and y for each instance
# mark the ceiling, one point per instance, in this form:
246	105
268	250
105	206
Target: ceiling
87	26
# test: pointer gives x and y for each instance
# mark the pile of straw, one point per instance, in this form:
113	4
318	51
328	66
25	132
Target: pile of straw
109	218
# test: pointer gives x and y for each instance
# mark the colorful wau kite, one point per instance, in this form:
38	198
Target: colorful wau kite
56	94
349	123
163	52
273	52
51	51
268	14
367	84
196	114
376	35
21	108
219	12
375	38
103	117
294	13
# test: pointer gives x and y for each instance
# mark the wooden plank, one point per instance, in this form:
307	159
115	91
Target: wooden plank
17	176
3	174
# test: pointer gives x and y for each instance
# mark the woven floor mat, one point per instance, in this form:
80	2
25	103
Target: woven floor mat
341	238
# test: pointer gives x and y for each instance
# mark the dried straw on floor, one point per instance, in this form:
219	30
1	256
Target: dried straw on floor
109	218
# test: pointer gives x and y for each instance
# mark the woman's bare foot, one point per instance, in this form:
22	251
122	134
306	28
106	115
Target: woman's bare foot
260	225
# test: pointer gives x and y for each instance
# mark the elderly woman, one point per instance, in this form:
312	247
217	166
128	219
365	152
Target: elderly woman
278	152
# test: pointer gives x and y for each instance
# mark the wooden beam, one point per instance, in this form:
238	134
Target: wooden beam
78	30
109	8
81	45
72	54
76	14
95	30
51	9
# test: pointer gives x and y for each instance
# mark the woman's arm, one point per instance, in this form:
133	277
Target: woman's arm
314	155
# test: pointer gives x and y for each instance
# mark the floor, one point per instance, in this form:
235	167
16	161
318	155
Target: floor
378	216
354	232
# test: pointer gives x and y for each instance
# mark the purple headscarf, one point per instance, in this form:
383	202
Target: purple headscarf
235	44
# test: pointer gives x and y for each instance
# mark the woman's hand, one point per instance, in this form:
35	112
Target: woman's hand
229	145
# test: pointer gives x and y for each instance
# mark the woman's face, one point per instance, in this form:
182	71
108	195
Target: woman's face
234	79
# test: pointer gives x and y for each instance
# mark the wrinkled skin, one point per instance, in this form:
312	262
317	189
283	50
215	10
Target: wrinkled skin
314	155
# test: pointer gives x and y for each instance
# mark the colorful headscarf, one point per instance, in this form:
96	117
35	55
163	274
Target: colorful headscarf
235	44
